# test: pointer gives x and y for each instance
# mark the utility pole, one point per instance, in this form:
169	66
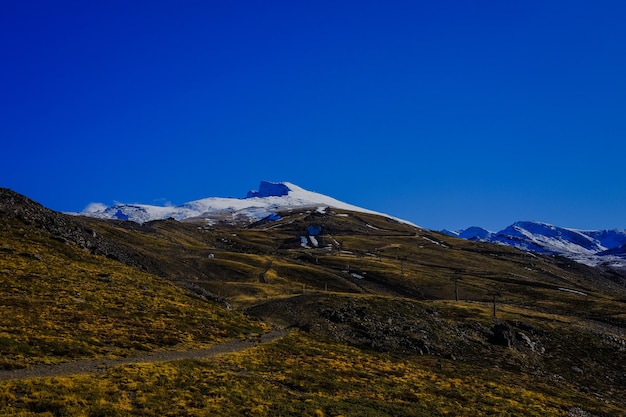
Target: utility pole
494	294
456	279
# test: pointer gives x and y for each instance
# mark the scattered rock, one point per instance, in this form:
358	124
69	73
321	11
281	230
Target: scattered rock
527	340
501	335
578	412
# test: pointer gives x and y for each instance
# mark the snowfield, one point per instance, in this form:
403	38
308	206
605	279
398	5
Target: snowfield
271	197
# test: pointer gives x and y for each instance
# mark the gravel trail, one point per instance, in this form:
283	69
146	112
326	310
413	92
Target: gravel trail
94	365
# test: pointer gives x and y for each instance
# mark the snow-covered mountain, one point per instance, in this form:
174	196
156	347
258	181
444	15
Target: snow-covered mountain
267	201
472	233
592	247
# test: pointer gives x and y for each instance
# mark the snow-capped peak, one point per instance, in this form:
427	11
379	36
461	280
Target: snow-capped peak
471	233
273	189
271	197
543	237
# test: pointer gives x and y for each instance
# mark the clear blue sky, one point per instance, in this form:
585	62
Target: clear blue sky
445	113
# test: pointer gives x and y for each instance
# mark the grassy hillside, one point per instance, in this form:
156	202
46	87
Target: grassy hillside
372	304
59	302
304	376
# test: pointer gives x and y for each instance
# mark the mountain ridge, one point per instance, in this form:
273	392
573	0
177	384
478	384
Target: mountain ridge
592	247
257	205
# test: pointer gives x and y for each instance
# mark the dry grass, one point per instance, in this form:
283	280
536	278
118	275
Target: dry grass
299	376
58	302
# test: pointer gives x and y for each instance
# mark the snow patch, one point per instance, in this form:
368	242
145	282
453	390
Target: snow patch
573	291
434	241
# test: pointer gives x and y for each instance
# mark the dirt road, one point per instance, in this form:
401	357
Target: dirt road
89	366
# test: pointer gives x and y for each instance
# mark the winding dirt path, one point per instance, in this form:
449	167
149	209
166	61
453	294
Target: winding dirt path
92	366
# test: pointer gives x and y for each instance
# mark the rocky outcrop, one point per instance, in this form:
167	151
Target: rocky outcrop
502	335
16	209
269	189
515	336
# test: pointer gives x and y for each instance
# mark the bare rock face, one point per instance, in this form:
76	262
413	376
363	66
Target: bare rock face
269	189
515	335
502	335
62	227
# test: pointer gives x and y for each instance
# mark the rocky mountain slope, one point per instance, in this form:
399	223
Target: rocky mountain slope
542	335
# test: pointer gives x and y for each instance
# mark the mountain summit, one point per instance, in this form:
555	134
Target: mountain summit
270	199
272	189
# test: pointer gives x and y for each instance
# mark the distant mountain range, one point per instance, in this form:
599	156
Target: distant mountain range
592	247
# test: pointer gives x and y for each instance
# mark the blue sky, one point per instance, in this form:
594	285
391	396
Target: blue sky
445	113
